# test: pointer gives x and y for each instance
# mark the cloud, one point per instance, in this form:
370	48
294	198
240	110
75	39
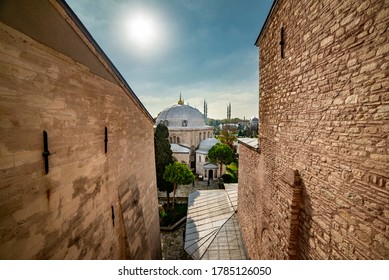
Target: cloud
206	53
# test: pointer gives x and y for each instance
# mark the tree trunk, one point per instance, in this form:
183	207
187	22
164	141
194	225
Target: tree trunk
174	195
168	199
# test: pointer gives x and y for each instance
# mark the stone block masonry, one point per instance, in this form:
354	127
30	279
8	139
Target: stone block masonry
324	116
91	204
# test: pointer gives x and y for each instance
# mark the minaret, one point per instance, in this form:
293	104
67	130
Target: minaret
181	101
229	111
206	111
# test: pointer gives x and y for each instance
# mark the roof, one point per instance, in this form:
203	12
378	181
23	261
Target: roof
178	149
210	166
181	115
206	145
249	142
275	2
212	230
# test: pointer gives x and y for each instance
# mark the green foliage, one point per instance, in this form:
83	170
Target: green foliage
232	170
174	215
227	178
178	173
221	154
228	135
163	157
162	214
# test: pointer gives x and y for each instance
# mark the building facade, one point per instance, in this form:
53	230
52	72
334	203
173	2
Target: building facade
187	129
203	166
72	181
317	186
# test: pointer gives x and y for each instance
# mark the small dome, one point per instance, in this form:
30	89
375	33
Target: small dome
207	144
180	115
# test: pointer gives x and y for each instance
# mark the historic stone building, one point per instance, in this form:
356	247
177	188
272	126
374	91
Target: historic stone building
317	186
207	169
187	130
75	144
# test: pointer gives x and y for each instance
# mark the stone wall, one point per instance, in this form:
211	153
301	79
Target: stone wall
250	197
324	112
91	204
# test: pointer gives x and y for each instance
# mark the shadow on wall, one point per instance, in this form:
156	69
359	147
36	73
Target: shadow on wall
304	241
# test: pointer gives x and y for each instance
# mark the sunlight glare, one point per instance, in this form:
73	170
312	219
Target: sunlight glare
143	30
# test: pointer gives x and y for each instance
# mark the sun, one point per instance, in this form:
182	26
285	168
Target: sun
142	30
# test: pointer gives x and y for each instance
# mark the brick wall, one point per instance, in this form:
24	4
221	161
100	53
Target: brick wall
324	112
67	214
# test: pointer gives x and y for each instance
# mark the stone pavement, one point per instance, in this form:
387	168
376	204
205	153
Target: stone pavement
172	243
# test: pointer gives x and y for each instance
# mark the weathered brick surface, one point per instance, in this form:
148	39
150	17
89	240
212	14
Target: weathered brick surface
324	113
67	214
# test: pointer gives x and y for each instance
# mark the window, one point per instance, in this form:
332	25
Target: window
184	123
199	158
174	139
200	136
178	140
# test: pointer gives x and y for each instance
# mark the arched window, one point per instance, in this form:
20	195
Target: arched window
204	135
199	158
171	140
200	136
208	134
184	123
178	140
174	139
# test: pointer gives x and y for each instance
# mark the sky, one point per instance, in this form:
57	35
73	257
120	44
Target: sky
203	49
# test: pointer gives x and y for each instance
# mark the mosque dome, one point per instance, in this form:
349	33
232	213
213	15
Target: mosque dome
181	115
207	144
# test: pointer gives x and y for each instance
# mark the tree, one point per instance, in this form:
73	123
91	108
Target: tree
178	173
228	136
163	157
221	154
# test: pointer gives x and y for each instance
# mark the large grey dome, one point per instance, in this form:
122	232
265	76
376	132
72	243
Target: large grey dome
180	115
207	144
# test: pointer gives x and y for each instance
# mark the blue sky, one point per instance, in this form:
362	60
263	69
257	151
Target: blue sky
201	48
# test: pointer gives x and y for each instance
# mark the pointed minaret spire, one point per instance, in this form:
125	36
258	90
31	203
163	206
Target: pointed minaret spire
205	108
181	102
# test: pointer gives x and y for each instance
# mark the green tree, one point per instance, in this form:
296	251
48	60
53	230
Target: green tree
178	173
221	154
163	157
228	136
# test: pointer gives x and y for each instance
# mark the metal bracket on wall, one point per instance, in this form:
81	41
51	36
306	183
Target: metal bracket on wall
282	43
113	215
106	139
46	152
